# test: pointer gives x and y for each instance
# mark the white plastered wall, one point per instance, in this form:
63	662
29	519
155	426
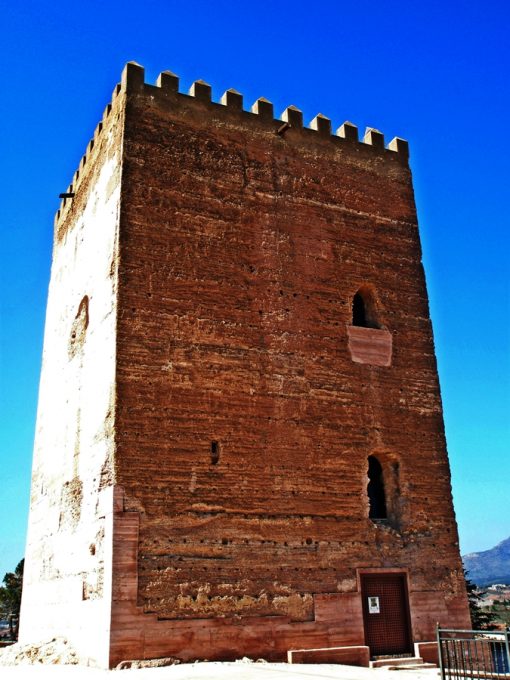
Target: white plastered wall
67	588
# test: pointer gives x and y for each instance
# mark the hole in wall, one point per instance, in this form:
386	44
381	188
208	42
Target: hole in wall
375	490
364	309
215	452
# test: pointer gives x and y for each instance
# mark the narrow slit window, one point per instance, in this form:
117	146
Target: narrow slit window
375	490
215	452
359	317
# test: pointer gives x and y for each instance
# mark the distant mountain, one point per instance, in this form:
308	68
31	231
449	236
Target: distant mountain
489	566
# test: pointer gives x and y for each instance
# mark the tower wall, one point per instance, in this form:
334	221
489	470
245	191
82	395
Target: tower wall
67	582
242	246
216	408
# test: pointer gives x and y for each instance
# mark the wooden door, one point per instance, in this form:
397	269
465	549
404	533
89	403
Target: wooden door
386	614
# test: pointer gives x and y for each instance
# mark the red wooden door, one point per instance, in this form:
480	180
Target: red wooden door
386	614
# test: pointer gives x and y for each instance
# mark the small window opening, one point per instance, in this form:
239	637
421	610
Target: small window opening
215	452
375	490
359	317
364	309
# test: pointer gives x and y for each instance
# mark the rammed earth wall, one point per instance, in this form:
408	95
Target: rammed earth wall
246	404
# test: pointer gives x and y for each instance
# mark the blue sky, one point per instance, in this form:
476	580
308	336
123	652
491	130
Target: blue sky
435	73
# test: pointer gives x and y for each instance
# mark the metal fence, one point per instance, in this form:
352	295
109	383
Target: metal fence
473	654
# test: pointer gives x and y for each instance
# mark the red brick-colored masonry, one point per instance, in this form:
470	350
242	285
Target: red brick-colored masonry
241	250
138	635
337	628
240	405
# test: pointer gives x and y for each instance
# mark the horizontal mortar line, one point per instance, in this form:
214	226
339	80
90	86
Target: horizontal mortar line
259	516
185	557
331	206
234	233
298	201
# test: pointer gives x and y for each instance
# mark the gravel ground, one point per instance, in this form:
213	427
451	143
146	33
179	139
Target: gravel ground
55	659
239	670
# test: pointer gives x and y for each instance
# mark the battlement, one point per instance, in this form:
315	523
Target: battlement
167	85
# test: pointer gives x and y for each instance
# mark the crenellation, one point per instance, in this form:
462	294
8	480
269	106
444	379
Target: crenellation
401	146
293	116
68	191
168	82
348	131
132	79
78	174
264	108
233	99
133	84
201	91
374	138
118	89
321	124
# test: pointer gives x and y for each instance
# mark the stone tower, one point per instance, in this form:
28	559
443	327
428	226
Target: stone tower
240	446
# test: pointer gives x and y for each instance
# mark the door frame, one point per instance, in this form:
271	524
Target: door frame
381	571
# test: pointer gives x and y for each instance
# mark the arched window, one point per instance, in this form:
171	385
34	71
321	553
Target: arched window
375	490
358	311
79	328
364	312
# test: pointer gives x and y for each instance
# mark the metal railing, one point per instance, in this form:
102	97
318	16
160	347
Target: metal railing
468	654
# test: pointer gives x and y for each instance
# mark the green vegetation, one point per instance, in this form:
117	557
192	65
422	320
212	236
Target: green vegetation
500	610
10	599
481	619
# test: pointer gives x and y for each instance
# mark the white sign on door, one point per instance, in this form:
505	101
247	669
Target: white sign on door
373	605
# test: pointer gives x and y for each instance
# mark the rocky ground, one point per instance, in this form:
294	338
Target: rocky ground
56	651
